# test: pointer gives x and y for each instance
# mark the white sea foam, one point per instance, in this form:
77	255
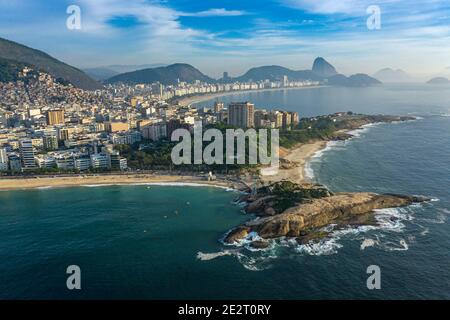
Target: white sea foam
392	246
392	219
425	231
321	248
253	263
440	218
335	145
45	188
368	243
245	242
162	184
211	256
316	157
98	185
182	184
389	220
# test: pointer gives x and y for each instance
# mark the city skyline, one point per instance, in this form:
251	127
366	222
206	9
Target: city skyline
242	35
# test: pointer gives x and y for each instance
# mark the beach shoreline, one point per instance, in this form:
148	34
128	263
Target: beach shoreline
189	101
79	180
300	155
297	158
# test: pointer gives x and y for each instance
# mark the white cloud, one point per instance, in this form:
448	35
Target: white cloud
160	20
350	7
221	12
327	6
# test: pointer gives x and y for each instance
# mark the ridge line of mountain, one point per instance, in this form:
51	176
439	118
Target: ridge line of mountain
16	53
170	75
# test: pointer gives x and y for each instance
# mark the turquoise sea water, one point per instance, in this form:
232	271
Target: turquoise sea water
162	242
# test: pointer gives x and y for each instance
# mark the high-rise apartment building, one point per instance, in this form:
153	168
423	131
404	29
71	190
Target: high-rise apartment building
241	114
3	160
286	121
50	142
155	132
218	106
294	118
277	118
55	117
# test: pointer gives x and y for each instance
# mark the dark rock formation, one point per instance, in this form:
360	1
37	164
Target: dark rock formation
315	208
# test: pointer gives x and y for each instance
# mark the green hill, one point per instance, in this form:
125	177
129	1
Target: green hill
166	75
9	70
10	50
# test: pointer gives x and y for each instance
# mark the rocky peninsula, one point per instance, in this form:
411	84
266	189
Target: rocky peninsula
289	206
286	209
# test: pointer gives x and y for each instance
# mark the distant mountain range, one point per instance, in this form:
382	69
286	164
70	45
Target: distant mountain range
389	75
356	80
166	75
15	54
439	81
274	73
106	72
170	75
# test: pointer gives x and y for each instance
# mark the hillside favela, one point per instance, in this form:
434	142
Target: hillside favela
218	151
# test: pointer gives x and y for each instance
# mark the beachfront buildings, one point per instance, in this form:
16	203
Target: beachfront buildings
155	131
241	114
27	154
3	160
81	130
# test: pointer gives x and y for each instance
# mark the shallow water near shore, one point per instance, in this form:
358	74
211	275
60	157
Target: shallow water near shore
162	242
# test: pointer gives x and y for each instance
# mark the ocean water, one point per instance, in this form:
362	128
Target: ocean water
163	242
388	99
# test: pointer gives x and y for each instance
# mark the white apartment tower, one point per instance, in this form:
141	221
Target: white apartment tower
27	154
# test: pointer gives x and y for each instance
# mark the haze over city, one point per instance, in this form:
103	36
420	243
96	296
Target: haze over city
220	35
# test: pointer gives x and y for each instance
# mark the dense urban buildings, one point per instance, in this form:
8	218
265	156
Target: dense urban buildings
47	125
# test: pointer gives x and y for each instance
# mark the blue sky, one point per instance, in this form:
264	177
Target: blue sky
232	35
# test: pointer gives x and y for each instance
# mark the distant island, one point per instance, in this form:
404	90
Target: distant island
389	75
439	81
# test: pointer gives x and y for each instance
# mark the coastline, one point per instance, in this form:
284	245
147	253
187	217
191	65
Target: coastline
297	159
40	182
189	101
298	156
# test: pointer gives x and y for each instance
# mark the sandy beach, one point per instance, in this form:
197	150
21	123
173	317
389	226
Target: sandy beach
104	180
205	97
298	157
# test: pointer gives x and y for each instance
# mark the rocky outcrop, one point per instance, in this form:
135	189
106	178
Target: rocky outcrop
277	197
321	212
237	234
303	220
289	209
